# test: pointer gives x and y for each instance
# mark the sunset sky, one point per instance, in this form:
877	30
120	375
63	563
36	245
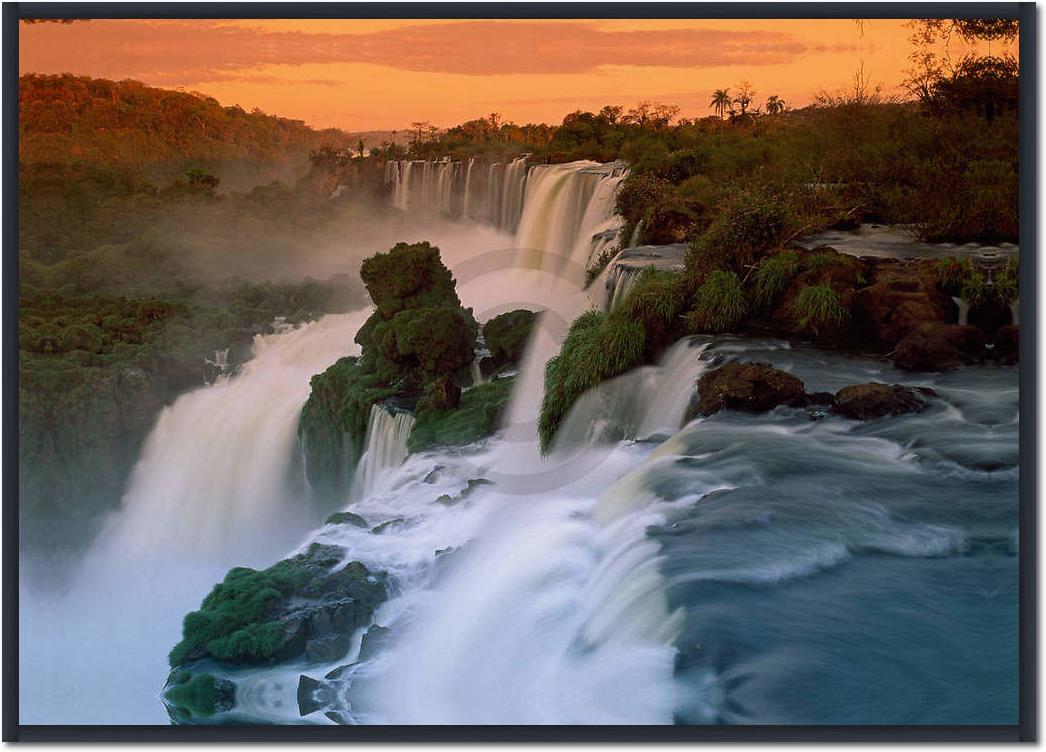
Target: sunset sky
383	74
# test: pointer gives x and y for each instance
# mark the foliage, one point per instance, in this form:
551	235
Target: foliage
239	620
818	306
333	423
196	693
773	275
475	418
408	276
750	224
597	347
720	303
66	118
506	335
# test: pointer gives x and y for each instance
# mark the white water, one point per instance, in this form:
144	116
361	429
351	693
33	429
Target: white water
551	606
215	475
386	449
964	310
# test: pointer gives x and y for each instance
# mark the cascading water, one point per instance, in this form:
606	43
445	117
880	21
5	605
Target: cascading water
386	449
565	207
215	476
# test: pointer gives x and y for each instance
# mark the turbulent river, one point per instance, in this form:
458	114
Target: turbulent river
790	567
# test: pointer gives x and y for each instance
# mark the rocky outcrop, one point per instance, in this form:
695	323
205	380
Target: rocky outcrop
304	607
749	387
1007	345
759	387
875	400
506	337
935	346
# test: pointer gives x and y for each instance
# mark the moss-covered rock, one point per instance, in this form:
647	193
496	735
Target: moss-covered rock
476	417
410	275
506	336
190	696
418	345
260	617
333	424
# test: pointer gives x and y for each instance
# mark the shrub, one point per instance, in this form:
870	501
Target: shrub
196	693
720	304
951	274
656	301
232	621
506	335
749	225
597	347
408	276
773	275
822	259
475	417
819	306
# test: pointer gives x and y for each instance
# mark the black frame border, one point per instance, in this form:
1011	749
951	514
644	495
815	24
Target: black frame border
1027	728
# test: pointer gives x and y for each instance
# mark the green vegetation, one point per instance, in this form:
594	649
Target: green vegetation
506	336
824	259
67	119
476	417
242	619
333	423
597	347
196	694
818	306
721	303
773	275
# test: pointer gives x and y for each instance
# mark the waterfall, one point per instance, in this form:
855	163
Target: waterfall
644	402
475	372
386	449
215	478
566	206
964	310
466	203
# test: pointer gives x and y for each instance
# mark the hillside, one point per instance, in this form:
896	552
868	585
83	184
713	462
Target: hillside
66	119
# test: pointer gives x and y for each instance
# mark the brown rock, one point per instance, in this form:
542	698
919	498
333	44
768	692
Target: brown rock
751	387
1007	344
900	297
939	347
875	400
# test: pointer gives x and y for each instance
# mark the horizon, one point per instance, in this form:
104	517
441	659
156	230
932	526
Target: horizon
534	71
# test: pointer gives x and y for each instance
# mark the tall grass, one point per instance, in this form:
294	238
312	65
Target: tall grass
773	275
818	306
720	304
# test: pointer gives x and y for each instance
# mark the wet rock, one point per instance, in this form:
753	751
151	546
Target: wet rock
379	529
939	347
374	640
902	296
327	648
875	400
750	387
313	695
1007	345
346	518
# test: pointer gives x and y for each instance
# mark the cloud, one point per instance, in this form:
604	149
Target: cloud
185	52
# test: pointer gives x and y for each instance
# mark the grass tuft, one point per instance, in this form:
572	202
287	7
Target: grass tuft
819	306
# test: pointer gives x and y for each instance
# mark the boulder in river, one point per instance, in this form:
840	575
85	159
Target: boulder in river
875	400
939	347
750	387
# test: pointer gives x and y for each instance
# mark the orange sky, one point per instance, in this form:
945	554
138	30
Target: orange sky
383	74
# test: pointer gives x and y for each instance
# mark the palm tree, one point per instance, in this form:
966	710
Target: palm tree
720	102
774	104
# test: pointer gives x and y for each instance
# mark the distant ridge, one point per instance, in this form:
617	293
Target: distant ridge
67	119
